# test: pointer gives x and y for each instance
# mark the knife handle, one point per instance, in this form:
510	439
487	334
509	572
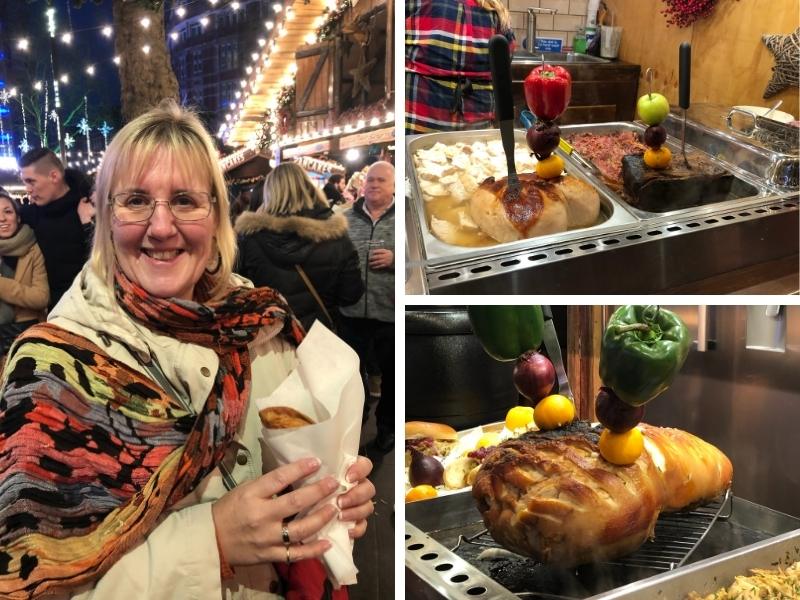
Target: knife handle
500	61
685	74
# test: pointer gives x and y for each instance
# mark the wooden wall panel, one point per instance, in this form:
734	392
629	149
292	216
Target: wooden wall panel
308	68
730	63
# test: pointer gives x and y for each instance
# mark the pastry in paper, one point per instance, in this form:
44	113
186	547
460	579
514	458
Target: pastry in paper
283	417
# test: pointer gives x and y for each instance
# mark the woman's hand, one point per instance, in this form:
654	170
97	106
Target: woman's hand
249	519
356	505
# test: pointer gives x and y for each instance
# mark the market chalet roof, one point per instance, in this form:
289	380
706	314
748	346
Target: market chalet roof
275	66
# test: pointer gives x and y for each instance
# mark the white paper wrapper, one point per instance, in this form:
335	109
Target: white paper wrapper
326	386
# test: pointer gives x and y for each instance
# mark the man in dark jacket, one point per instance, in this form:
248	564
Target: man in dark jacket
368	325
333	189
60	213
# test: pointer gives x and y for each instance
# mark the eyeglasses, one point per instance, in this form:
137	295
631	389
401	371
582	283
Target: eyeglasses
136	207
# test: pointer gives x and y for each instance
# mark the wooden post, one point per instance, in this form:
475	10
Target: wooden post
585	326
388	78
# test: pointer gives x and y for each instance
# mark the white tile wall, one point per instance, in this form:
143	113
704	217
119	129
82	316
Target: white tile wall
570	16
522	5
562	6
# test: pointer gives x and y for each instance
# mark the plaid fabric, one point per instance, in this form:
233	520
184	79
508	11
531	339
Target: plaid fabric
448	77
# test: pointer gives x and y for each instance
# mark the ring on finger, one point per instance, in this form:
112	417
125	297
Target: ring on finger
285	535
288	554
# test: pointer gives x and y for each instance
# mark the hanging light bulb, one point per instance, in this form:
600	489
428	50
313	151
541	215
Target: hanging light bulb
146	48
64	78
107	31
235	5
66	37
90	69
277	7
174	36
37	86
262	42
117	59
22	44
180	11
204	22
268	24
145	22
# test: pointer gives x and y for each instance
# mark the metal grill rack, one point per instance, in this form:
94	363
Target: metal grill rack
676	536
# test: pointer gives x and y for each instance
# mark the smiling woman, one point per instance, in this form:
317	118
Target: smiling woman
23	278
132	450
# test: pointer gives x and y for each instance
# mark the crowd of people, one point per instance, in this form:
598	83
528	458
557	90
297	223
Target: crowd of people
132	454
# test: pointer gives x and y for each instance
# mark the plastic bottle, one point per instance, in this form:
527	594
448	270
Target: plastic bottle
579	41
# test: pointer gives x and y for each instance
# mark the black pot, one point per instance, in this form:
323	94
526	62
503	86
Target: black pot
449	377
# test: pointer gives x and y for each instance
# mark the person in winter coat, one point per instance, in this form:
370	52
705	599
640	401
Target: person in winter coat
60	213
132	463
294	230
23	278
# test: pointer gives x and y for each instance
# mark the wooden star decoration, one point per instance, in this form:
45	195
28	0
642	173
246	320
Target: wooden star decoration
786	49
361	76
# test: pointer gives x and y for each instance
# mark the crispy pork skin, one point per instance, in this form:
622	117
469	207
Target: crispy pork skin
553	497
541	207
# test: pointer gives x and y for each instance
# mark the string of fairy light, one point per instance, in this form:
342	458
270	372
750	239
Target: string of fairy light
263	73
267	80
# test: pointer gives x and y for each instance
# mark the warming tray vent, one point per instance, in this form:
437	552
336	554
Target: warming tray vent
676	536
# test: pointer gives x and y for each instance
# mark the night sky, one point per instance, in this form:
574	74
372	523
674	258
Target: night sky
89	46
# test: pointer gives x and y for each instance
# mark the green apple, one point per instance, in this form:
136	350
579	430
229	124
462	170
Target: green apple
652	108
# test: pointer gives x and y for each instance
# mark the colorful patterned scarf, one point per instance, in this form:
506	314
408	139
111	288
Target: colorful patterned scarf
92	452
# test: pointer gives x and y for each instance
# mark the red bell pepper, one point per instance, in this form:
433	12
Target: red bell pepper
547	91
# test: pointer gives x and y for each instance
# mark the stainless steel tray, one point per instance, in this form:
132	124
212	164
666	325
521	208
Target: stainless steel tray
707	576
614	217
778	164
762	190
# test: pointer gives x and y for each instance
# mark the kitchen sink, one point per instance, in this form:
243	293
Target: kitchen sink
523	56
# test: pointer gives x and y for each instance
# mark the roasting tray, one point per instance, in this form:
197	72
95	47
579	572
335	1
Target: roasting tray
613	217
441	524
709	575
746	186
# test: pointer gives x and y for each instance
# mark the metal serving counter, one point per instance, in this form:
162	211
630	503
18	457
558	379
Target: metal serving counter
628	250
434	571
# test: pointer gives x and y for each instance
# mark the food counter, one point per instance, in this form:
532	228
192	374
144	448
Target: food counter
737	390
746	239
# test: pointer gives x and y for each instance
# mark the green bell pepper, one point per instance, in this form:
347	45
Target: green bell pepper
643	349
505	332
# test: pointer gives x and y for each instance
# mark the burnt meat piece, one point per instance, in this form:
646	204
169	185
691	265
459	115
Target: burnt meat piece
676	187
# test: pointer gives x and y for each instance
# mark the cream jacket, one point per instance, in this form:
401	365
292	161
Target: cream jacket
179	559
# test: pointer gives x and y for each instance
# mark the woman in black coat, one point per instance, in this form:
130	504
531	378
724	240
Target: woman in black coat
295	227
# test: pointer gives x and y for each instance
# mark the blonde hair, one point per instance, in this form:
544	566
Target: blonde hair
288	190
497	6
167	132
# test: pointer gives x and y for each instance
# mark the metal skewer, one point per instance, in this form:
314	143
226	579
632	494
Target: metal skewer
685	68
